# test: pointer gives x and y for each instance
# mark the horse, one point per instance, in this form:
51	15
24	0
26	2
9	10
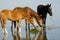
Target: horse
32	15
42	10
9	15
17	15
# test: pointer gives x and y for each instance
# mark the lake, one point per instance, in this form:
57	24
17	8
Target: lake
52	33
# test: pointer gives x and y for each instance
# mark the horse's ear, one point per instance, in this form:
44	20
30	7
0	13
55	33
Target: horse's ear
50	4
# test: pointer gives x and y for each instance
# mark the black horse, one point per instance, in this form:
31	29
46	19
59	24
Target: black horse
42	10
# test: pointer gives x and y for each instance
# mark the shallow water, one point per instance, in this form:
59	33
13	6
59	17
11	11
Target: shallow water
51	33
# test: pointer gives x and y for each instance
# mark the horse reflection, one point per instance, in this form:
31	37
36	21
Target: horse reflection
16	36
42	35
4	36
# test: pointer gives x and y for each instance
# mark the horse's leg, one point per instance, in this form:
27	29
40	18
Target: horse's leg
14	34
44	29
27	30
32	22
39	21
19	29
4	26
12	26
5	33
44	23
26	21
15	27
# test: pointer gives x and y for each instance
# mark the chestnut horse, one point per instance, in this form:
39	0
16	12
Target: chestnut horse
32	14
17	15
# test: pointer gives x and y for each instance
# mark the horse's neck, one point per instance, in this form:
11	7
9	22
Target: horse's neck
9	15
35	14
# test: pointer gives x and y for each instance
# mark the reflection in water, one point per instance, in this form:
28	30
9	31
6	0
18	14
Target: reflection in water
34	31
4	36
41	35
44	34
34	38
16	36
27	35
16	32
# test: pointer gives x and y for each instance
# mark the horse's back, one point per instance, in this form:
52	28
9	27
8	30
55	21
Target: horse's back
6	12
39	9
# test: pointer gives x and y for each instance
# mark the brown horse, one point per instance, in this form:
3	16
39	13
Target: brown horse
32	14
18	15
27	12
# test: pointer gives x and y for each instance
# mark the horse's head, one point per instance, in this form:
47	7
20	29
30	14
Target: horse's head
49	9
39	21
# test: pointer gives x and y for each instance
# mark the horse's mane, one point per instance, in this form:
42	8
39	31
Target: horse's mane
41	6
17	8
4	10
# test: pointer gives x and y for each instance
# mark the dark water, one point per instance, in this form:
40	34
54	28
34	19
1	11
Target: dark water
52	33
